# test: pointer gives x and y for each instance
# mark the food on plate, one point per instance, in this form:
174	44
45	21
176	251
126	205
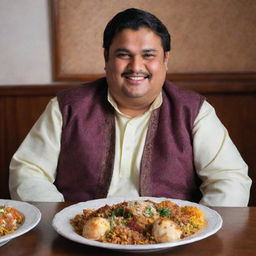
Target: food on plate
166	230
10	220
139	222
95	228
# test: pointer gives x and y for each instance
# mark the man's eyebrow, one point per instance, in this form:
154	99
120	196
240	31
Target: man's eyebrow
126	50
149	50
121	50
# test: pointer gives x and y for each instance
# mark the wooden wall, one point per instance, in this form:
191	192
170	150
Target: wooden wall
207	36
233	96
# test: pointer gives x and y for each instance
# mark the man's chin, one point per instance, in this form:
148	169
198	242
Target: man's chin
135	94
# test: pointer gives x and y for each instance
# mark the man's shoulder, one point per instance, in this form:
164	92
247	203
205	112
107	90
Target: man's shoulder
89	89
174	91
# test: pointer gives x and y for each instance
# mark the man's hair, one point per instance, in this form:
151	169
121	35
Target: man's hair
135	19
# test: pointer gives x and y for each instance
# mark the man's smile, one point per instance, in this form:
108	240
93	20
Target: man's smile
136	76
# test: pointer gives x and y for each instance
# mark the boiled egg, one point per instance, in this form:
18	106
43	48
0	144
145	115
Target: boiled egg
95	228
166	230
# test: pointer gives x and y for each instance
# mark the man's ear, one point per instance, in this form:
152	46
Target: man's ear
166	58
106	55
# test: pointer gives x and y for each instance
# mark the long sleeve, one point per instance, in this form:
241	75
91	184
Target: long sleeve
33	166
223	172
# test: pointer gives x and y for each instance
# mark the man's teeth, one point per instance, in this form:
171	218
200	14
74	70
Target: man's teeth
136	78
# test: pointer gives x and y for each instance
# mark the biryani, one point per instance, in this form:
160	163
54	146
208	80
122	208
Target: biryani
139	222
10	220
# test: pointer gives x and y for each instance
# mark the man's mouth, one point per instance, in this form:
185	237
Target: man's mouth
136	76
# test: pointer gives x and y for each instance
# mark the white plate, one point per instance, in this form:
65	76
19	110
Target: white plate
61	223
32	217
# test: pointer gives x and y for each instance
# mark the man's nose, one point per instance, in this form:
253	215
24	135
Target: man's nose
136	64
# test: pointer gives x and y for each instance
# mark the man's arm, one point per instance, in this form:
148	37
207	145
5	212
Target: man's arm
223	172
33	166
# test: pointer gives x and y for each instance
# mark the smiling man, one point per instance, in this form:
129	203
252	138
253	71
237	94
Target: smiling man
136	65
132	133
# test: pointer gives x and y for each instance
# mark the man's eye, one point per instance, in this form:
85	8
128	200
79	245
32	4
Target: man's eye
149	56
123	55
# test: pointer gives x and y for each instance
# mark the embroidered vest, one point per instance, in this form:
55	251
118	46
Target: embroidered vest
86	157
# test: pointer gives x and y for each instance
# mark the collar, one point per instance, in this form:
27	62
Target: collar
155	104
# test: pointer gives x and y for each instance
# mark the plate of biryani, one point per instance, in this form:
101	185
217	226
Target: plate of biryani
136	224
16	219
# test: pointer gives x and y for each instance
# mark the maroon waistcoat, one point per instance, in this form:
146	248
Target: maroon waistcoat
86	157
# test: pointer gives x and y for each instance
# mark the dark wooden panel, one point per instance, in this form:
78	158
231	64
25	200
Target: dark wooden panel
19	115
233	96
237	112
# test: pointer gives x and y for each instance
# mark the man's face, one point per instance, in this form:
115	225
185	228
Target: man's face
136	65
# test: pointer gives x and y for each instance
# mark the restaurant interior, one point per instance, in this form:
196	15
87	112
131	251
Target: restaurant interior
48	46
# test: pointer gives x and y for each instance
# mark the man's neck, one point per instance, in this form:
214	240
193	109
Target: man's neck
134	107
132	112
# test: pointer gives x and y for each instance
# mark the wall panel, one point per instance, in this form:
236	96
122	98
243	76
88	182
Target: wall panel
207	36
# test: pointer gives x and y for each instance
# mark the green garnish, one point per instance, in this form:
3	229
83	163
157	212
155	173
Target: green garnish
127	215
164	212
121	212
124	222
148	212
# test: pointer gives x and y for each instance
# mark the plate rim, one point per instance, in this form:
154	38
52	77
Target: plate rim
28	223
159	246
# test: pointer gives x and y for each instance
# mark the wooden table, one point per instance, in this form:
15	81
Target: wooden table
236	237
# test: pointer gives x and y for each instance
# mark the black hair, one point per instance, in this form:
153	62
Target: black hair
135	19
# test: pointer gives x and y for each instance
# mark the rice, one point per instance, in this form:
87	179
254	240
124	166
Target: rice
132	222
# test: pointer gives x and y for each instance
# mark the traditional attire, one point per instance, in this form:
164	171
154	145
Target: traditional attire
91	159
167	167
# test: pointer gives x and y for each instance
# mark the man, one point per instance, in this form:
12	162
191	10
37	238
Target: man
131	133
